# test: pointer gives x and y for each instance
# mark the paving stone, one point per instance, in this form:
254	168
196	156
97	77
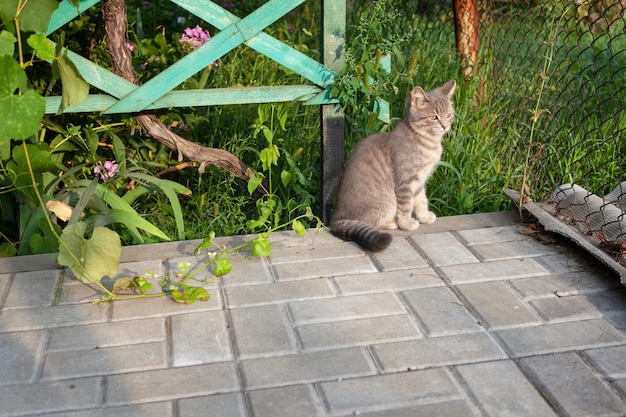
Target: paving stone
573	386
357	395
32	289
21	355
91	362
161	307
72	291
172	383
93	336
513	250
437	352
140	268
497	306
304	368
357	332
197	263
298	400
388	281
534	340
440	312
47	397
399	255
446	409
217	405
162	409
247	271
581	307
324	268
200	337
493	271
444	249
564	285
620	386
502	390
336	249
609	360
491	235
278	292
5	283
345	308
51	316
570	261
261	330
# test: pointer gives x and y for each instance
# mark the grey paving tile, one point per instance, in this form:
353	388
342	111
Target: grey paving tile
22	354
161	307
297	400
513	250
437	352
444	249
440	311
581	307
47	397
5	283
388	281
610	360
335	249
304	368
490	235
493	271
99	335
73	291
573	386
324	268
262	331
246	271
217	405
172	383
162	409
534	340
51	316
200	337
91	362
497	306
356	332
32	289
345	308
279	292
502	390
400	255
357	395
454	408
563	285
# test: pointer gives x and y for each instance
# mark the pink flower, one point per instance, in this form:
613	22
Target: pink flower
130	46
107	170
196	37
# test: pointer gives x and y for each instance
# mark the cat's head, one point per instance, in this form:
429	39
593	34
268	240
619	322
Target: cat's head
431	112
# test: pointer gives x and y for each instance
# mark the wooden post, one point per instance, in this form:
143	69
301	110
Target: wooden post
466	23
333	120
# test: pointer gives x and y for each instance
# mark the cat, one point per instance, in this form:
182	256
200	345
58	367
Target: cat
384	181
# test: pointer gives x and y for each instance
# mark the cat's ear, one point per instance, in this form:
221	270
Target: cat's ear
448	88
418	94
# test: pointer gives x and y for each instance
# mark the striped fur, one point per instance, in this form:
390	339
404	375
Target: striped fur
384	181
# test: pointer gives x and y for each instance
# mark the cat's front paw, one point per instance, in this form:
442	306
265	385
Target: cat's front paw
408	224
426	217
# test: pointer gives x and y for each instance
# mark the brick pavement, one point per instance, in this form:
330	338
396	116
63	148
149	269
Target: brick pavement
464	317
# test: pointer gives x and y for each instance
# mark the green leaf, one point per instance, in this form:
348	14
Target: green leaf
269	156
39	155
254	183
118	148
34	17
285	177
207	242
222	267
7	41
298	227
42	45
187	294
261	246
21	113
75	89
93	258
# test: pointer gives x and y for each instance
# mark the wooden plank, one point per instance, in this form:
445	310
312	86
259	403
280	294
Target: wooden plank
220	44
287	56
333	120
67	12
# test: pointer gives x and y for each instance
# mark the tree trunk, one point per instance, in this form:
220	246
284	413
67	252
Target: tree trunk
466	23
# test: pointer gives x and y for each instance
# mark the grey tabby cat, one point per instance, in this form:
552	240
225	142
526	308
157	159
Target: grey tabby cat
384	182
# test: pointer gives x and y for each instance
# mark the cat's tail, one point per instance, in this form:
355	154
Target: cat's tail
361	233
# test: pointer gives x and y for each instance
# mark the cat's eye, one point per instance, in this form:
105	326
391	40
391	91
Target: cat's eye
449	115
432	117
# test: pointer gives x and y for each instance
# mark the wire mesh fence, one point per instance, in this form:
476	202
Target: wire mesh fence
555	72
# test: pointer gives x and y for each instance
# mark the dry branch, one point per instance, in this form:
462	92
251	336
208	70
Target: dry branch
116	24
